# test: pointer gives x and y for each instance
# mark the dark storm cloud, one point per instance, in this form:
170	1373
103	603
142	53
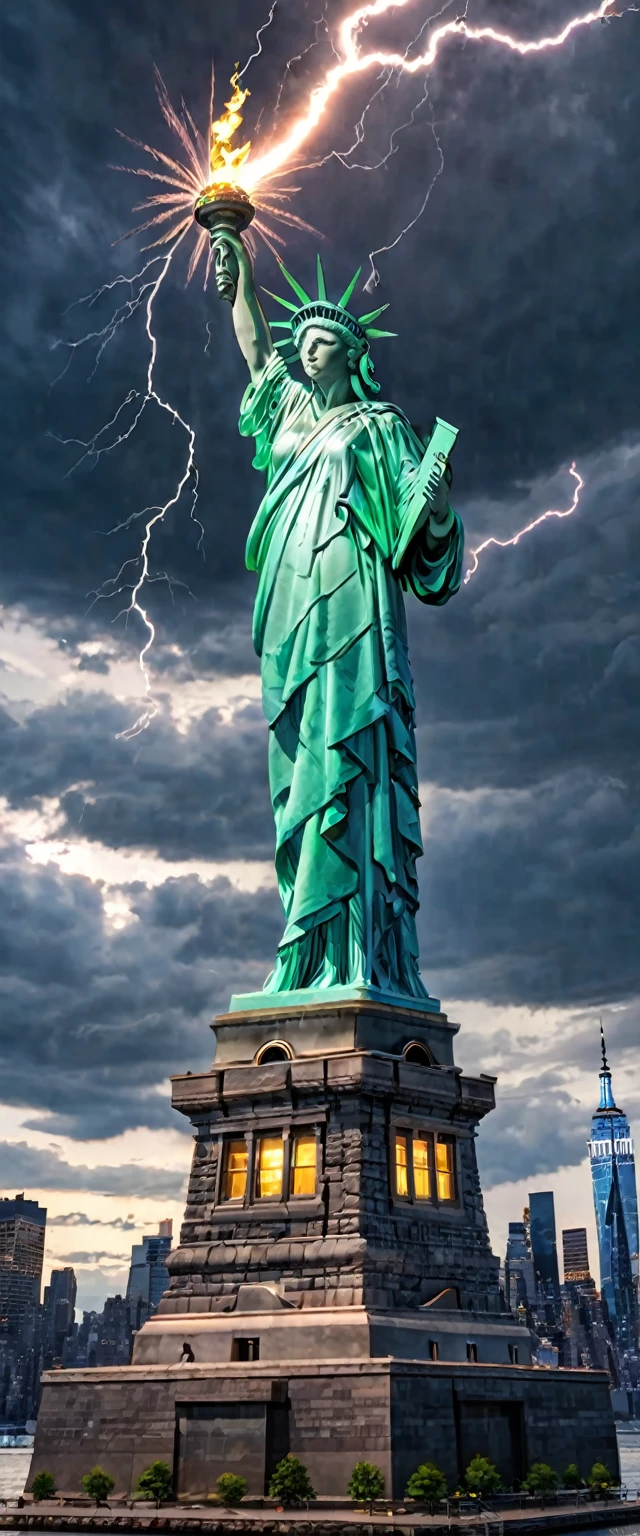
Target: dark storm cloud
107	1016
536	1128
529	896
29	1167
201	793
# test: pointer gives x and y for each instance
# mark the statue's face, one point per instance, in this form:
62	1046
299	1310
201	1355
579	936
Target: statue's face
323	356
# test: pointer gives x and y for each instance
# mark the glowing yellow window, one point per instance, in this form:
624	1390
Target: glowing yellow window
421	1174
235	1173
303	1165
444	1169
270	1165
402	1180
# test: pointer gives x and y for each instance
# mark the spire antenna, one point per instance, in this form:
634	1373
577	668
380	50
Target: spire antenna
605	1064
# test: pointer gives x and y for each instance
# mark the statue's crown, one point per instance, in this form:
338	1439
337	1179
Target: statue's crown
334	314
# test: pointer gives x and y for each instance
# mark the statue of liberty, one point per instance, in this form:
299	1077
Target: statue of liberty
354	513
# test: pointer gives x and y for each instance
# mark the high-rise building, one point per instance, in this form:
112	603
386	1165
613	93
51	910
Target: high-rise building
148	1275
58	1315
519	1281
615	1199
22	1231
575	1254
542	1226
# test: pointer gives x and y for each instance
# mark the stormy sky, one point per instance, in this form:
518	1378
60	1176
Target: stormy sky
136	890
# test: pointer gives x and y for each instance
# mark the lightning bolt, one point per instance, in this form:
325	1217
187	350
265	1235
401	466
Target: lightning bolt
105	440
508	543
352	63
258	50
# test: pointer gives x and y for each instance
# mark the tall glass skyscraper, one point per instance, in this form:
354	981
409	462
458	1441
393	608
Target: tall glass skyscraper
542	1227
613	1175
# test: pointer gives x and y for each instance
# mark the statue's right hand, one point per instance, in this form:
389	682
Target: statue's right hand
230	255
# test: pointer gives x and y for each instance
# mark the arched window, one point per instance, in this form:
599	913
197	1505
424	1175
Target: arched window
274	1050
418	1054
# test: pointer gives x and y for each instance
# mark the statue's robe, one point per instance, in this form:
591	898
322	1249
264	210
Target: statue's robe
334	542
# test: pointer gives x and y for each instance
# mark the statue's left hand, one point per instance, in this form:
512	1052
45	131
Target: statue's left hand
440	516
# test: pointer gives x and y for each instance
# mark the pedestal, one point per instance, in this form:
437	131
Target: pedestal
334	1280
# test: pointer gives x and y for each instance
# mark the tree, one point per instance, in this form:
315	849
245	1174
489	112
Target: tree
541	1479
98	1484
44	1485
290	1482
482	1476
156	1482
600	1479
571	1477
427	1482
231	1488
366	1484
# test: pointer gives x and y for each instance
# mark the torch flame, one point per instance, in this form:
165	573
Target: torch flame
225	158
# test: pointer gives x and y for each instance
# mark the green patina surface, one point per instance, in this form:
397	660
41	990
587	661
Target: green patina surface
340	534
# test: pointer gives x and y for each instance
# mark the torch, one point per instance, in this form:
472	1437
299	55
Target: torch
224	206
224	209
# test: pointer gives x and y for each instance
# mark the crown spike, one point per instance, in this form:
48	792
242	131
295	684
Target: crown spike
284	302
372	315
280	325
304	298
371	331
322	287
348	291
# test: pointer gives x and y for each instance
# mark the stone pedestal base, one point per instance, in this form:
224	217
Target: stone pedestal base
208	1419
345	1307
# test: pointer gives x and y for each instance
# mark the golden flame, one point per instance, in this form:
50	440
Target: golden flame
225	159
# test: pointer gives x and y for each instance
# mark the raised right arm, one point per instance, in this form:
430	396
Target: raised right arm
234	282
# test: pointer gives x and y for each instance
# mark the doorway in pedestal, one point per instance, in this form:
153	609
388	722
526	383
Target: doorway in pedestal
494	1430
244	1437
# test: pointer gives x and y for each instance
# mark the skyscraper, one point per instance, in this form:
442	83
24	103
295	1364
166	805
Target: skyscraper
148	1275
542	1226
575	1254
613	1177
22	1229
519	1280
58	1315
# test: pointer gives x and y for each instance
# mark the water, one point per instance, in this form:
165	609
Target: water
14	1468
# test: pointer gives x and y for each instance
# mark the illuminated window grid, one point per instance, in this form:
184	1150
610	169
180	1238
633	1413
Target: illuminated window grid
416	1177
445	1177
402	1165
303	1164
270	1168
421	1167
235	1170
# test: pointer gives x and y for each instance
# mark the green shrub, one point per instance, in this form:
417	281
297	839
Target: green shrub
231	1488
155	1482
44	1485
600	1478
427	1482
482	1476
541	1479
571	1477
290	1482
366	1483
98	1484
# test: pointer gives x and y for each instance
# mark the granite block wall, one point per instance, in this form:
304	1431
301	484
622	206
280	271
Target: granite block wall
354	1242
